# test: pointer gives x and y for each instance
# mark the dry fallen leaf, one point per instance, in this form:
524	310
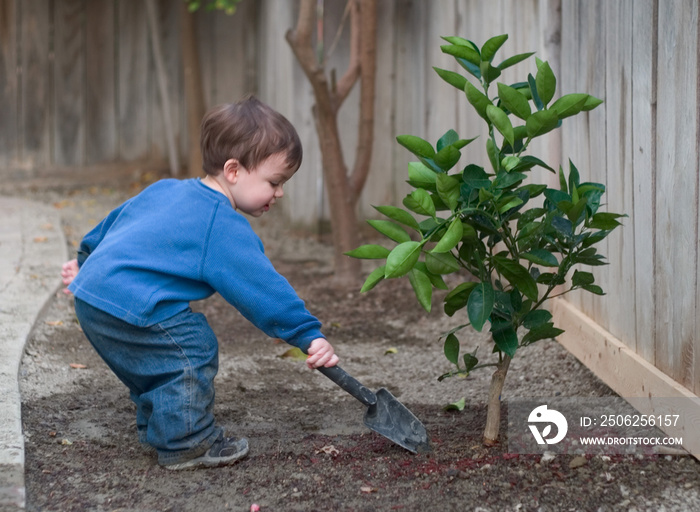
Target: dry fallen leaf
329	450
78	366
40	239
54	323
367	489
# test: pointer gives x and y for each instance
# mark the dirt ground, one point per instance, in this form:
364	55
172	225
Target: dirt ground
309	450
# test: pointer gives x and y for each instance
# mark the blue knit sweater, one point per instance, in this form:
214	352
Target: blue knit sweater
180	241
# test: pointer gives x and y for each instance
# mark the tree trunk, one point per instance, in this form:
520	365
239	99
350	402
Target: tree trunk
343	188
342	201
194	92
493	413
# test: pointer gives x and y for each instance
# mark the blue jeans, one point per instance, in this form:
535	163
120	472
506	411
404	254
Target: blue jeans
169	369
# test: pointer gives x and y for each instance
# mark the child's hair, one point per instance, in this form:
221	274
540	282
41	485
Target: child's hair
249	131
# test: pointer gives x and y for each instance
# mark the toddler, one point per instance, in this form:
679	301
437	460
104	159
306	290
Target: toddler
180	241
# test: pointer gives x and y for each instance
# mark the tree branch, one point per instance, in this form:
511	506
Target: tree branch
368	57
351	75
300	39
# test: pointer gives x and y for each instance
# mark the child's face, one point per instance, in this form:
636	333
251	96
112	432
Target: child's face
255	191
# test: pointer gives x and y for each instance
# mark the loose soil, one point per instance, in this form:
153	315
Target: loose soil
309	450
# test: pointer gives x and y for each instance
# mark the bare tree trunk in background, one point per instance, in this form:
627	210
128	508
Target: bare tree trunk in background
194	93
343	188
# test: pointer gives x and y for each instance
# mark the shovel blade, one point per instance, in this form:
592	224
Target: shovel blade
393	420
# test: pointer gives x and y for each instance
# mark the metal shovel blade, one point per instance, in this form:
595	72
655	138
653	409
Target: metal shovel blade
385	414
393	420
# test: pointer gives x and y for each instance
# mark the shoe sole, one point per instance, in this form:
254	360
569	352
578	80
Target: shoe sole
203	462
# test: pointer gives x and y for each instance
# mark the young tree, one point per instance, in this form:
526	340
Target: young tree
343	187
517	242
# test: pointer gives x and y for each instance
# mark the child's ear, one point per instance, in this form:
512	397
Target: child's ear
232	169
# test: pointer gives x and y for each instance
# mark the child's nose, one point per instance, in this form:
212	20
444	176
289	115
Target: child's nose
279	192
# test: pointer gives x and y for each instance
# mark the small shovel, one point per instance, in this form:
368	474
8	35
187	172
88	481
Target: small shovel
385	414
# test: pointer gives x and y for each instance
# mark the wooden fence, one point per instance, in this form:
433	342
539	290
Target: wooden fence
78	90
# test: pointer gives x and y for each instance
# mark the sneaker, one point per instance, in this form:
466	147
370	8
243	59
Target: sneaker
225	450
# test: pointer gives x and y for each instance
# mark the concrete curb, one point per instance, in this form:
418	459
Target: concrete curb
32	250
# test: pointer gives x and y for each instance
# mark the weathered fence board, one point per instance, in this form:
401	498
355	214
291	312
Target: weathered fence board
35	84
677	195
101	139
618	170
642	215
68	83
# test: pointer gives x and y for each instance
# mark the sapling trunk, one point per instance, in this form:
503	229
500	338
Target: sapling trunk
493	413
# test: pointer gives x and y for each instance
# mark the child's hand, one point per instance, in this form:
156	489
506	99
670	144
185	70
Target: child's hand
68	273
321	353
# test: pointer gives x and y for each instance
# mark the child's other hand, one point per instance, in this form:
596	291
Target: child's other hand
321	353
68	273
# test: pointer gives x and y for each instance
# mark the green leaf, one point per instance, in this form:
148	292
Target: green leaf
399	215
451	238
546	83
529	161
541	122
416	145
509	203
447	157
463	52
470	361
490	47
580	279
541	257
459	405
421	176
543	332
502	123
448	190
422	287
420	202
506	340
591	103
569	105
493	153
536	318
514	101
448	139
563	226
593	288
402	259
390	229
517	275
506	180
369	252
441	263
575	213
511	61
478	100
574	176
452	78
452	349
533	92
480	304
458	297
604	220
373	279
